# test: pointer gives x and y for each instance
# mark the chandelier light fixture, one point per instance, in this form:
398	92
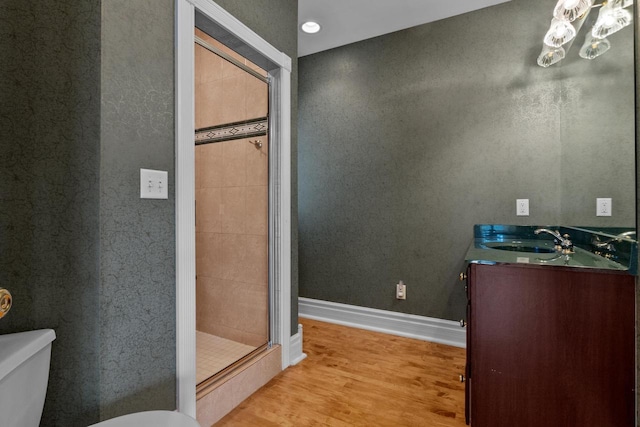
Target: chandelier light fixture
611	19
568	18
594	47
561	32
550	56
570	10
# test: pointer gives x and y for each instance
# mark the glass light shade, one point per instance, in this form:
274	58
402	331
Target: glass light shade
610	20
620	3
570	10
561	32
550	56
594	47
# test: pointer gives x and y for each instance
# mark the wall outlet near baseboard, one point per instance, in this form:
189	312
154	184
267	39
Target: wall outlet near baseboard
401	290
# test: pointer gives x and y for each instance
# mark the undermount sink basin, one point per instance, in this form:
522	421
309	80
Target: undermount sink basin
520	247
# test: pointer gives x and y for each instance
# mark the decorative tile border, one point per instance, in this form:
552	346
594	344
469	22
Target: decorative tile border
231	131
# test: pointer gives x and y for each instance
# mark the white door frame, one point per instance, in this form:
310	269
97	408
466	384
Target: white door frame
279	191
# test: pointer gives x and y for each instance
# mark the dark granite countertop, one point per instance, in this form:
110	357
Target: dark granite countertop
511	244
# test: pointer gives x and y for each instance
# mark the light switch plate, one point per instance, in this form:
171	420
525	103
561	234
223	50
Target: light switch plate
153	184
603	207
522	207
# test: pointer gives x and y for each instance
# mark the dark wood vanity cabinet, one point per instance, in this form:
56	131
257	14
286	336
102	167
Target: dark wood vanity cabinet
550	346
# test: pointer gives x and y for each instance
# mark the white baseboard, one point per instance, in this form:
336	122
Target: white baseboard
295	348
405	325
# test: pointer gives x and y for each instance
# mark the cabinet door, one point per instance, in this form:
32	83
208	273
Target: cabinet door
469	381
551	347
467	371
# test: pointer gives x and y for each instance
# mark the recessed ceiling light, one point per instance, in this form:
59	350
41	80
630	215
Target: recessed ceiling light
310	27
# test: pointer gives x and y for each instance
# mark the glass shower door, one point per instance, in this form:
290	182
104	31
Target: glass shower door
232	199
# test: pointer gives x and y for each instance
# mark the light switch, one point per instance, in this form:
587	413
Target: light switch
603	207
153	184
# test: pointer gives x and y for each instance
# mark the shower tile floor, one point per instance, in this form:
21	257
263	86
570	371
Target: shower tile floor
213	354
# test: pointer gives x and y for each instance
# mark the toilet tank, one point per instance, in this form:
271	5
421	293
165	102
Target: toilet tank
24	373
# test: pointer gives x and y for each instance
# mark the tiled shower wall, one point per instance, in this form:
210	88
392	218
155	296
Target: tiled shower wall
231	206
224	92
277	22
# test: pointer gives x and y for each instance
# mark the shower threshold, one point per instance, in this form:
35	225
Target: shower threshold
219	359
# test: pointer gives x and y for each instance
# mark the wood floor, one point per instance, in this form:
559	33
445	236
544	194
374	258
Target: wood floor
354	377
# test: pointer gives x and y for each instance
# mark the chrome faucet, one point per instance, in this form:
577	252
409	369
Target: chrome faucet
608	245
563	242
626	234
564	257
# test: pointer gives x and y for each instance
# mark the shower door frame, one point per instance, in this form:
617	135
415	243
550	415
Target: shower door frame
279	191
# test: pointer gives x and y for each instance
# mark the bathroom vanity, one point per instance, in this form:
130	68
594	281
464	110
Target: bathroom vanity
550	336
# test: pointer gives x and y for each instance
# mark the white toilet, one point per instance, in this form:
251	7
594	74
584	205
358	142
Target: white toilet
24	373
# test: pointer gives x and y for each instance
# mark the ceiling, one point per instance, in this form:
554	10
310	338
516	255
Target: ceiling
349	21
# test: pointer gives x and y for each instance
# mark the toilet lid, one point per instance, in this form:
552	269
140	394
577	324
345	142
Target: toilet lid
151	419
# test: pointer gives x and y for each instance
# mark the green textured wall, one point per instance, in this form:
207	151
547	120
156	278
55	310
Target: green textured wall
409	139
137	237
86	100
49	191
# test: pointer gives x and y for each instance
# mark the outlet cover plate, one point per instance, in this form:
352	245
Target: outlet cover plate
522	207
603	206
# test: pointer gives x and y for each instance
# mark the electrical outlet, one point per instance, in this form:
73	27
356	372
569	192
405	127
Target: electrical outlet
603	207
401	290
522	207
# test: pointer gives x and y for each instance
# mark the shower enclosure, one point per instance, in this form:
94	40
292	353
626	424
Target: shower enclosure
232	210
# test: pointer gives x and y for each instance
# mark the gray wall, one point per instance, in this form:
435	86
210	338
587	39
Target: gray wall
276	21
78	249
86	100
137	245
49	191
408	140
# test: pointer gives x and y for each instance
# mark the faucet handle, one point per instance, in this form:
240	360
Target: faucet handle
566	244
